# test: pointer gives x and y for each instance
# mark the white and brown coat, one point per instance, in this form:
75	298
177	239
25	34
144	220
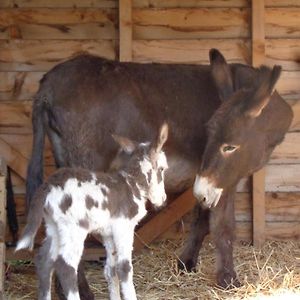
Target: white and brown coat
75	202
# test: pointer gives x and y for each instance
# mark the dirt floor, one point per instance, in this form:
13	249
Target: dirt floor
270	273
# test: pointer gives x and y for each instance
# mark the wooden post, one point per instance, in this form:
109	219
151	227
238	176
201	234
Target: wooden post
125	29
258	179
2	224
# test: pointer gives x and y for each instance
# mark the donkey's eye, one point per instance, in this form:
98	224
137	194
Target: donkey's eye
228	148
160	169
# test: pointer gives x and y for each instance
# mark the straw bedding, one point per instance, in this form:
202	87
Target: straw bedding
270	273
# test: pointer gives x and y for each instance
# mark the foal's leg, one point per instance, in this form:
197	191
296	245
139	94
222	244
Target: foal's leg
222	226
84	289
69	255
44	268
199	229
123	238
110	271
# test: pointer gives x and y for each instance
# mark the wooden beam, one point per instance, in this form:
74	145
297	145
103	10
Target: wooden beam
258	32
89	254
14	158
258	180
125	29
164	219
3	170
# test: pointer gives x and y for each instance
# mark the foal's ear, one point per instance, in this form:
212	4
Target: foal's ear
126	144
162	137
267	81
221	74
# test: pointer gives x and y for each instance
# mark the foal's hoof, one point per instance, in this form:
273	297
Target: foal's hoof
188	265
227	280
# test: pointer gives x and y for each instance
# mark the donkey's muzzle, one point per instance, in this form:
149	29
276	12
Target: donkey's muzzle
206	193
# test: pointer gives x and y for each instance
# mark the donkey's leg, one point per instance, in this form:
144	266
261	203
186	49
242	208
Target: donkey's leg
83	286
44	268
123	238
222	226
110	271
57	147
69	255
199	229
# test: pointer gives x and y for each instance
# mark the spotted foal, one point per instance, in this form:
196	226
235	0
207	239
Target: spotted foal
75	202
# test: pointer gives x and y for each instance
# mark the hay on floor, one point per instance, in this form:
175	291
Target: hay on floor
269	273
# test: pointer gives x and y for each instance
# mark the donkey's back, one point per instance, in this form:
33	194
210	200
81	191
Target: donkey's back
82	101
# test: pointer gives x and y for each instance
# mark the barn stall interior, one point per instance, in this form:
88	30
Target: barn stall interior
36	35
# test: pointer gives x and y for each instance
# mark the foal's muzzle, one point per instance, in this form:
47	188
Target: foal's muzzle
206	193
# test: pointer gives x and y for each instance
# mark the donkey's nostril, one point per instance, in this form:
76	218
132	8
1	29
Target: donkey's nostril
200	197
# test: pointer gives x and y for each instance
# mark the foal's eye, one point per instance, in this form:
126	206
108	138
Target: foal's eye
228	148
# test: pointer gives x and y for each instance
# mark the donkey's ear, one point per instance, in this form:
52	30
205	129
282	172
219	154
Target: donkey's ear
267	81
162	137
126	144
221	74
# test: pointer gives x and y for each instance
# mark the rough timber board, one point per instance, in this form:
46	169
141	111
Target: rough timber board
282	22
45	23
191	23
190	51
41	55
284	52
58	3
189	3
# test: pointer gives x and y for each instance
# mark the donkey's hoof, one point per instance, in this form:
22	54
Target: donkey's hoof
227	280
188	265
88	295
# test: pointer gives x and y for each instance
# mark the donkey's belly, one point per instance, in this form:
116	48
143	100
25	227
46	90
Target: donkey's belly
180	174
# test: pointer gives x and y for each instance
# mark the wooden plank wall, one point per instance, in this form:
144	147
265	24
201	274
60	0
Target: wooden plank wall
35	35
184	31
282	46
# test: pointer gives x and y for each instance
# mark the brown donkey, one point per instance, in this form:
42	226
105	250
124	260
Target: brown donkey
225	120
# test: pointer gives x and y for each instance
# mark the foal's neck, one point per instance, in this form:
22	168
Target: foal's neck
136	180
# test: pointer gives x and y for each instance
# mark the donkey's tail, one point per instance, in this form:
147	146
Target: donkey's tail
35	168
34	219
